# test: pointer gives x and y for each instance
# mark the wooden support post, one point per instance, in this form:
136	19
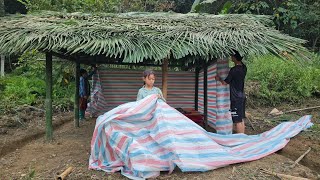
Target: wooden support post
165	78
196	87
76	97
2	65
49	129
205	93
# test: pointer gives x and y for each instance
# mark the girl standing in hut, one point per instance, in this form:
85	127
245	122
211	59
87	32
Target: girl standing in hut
148	88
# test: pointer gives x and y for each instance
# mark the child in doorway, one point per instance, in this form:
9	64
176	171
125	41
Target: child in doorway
84	91
148	88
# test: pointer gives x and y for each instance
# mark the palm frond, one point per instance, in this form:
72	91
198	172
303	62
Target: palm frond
139	36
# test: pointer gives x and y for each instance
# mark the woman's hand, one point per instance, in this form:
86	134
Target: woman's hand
161	97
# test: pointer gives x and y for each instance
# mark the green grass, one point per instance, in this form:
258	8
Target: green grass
278	81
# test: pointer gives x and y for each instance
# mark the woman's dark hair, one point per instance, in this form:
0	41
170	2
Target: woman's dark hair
82	72
147	73
237	55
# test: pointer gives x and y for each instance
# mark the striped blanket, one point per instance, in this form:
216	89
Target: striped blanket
142	138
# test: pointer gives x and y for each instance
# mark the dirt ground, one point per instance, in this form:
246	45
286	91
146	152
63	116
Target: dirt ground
299	144
24	154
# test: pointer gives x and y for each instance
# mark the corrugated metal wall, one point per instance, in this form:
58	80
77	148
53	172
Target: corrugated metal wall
115	87
121	86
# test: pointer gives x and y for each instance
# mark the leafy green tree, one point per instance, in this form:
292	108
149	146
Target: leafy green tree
295	17
182	6
307	22
13	6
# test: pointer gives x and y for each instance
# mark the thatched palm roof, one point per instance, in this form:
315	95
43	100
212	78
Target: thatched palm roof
138	36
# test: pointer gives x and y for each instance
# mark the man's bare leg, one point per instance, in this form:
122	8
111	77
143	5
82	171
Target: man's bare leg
239	127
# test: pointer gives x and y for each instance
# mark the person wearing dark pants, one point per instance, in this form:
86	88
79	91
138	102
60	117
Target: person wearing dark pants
236	79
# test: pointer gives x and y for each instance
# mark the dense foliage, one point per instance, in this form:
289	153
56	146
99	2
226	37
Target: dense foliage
272	81
299	18
26	84
115	6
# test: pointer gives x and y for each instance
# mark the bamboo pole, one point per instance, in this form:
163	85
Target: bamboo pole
301	157
283	176
165	78
48	102
76	96
205	93
64	174
302	109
